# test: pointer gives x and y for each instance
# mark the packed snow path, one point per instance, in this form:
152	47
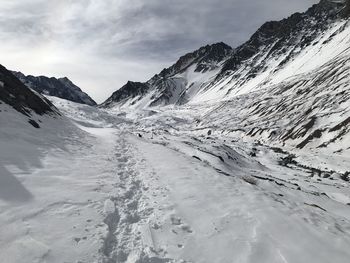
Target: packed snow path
109	196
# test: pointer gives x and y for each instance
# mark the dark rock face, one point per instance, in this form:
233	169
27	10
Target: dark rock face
275	37
62	88
129	90
14	93
346	11
203	57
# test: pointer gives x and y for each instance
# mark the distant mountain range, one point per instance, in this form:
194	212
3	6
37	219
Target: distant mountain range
62	88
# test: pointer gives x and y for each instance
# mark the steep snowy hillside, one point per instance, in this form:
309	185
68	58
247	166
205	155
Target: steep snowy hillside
280	49
61	88
177	84
277	51
304	104
48	182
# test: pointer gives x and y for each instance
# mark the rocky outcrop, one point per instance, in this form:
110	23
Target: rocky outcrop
346	11
204	58
14	93
129	90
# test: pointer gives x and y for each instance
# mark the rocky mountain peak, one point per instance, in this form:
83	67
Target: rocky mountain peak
278	35
203	57
62	88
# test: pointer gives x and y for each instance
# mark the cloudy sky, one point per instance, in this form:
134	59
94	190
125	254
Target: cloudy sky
100	44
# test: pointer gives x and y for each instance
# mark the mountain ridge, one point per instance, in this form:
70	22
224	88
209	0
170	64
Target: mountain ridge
224	71
204	59
62	88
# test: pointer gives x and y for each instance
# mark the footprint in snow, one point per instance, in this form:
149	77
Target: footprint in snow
186	228
175	220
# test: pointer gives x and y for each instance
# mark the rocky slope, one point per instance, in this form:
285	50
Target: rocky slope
15	94
62	88
176	84
309	111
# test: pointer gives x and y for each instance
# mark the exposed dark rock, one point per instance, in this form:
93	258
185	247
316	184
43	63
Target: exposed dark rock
316	134
128	91
346	10
206	58
345	176
316	206
341	125
14	93
34	124
196	157
278	35
202	57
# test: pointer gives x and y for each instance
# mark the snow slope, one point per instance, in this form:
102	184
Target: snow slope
177	84
53	185
109	186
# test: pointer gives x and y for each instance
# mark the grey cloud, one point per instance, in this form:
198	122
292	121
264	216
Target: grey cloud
163	29
120	32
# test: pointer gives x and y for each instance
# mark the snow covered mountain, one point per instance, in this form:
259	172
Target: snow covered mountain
287	85
277	51
61	88
176	84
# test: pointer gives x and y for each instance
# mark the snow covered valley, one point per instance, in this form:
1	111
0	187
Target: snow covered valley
229	155
98	185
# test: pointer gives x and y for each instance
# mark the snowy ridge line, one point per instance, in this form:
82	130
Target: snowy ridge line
277	52
58	87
